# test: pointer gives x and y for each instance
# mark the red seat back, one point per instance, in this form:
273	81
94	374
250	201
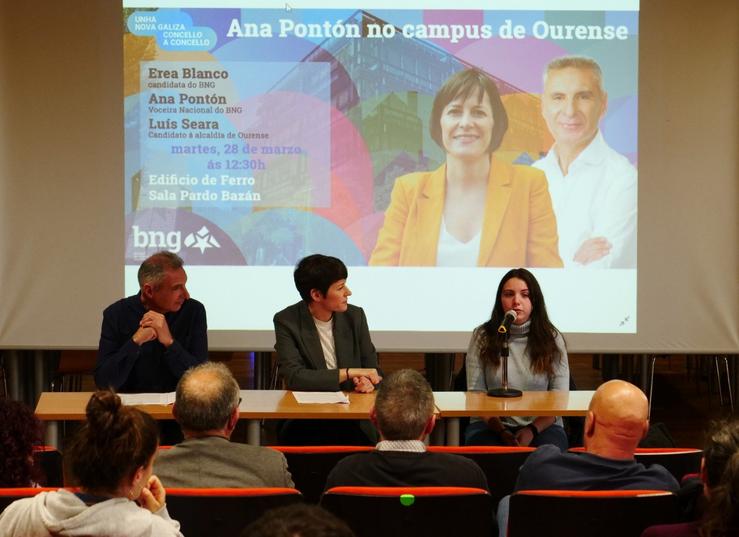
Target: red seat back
678	461
609	513
499	463
223	512
410	511
310	466
48	461
9	495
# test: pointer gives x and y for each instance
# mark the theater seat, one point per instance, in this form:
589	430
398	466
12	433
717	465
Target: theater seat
223	512
48	461
412	511
310	466
678	461
499	463
612	513
9	495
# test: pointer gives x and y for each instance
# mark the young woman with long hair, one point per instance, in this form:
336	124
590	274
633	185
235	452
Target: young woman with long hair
537	361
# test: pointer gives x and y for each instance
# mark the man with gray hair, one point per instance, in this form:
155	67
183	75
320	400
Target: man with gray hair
593	187
207	409
404	416
150	339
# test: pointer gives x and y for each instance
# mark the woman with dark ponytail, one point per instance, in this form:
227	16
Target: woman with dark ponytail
110	458
537	361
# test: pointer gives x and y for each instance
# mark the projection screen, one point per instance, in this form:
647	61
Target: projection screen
253	136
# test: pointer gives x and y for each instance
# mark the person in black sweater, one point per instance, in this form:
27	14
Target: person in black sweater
404	416
148	340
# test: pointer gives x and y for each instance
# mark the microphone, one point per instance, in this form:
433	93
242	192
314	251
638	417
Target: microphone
505	324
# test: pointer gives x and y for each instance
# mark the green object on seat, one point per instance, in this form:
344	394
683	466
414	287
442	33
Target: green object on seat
407	499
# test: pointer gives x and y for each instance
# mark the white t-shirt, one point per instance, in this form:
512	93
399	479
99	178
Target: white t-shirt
597	198
326	336
451	252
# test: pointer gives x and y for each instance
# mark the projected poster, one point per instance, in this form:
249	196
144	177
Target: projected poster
257	135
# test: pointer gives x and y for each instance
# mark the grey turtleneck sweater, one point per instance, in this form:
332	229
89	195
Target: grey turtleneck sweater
520	375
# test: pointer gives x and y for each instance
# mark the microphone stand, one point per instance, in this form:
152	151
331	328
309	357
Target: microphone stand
504	390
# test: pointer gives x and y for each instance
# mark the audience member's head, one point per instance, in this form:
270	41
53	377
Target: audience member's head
19	431
162	280
297	520
720	474
207	401
113	451
318	272
404	406
617	420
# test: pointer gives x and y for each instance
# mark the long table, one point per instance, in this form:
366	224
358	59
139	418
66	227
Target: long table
455	405
257	405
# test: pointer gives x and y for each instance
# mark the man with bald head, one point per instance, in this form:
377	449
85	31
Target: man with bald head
617	420
207	409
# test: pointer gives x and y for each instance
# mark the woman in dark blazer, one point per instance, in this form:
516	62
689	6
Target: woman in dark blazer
323	344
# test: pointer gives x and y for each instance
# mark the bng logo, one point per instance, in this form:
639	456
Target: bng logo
172	240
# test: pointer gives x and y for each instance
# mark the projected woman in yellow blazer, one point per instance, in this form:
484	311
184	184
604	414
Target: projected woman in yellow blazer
475	209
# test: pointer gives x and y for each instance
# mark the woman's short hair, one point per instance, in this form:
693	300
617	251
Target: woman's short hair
111	445
19	431
463	84
318	271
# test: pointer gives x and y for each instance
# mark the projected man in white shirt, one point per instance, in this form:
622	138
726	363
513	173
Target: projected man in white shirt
593	187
